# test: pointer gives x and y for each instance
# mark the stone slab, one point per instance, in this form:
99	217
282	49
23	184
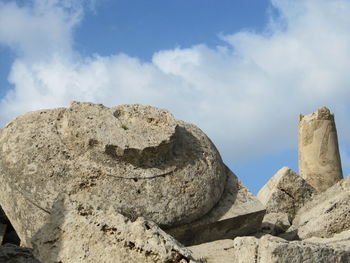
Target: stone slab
270	249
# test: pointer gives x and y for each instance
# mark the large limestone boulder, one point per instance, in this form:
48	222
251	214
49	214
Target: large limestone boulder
327	214
139	159
270	249
319	158
286	192
78	232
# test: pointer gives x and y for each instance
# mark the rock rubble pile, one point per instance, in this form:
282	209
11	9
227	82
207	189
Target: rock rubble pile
131	183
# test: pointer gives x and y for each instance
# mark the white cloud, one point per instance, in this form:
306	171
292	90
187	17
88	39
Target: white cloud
40	28
246	94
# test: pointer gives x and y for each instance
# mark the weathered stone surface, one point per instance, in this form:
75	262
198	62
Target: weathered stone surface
319	159
285	192
327	214
10	253
275	223
78	232
139	159
270	249
237	213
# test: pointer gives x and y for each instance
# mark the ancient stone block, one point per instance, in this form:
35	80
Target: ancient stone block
137	158
285	192
319	159
270	249
237	213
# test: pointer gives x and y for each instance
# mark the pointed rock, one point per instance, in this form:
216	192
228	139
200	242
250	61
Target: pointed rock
285	192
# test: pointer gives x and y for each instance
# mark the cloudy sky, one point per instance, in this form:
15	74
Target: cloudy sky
241	70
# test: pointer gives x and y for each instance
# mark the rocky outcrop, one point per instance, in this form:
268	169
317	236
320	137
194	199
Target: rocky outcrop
78	232
327	214
237	213
286	192
270	249
319	159
10	253
139	159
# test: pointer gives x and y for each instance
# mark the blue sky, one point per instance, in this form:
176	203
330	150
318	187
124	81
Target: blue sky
241	70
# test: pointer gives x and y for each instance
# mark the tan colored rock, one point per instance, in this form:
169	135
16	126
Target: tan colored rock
285	192
319	159
137	158
237	213
270	249
327	214
78	232
10	253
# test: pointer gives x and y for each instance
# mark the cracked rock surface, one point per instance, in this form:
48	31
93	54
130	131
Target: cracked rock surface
138	159
78	232
286	192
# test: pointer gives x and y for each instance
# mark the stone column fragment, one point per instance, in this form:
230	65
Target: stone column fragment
319	158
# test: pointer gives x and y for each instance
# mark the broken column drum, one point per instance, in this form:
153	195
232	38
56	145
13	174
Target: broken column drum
139	159
319	159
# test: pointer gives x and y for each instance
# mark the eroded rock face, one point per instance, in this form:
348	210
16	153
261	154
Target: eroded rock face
319	158
286	192
139	159
327	214
78	232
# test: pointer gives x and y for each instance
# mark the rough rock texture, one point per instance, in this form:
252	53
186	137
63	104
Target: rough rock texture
139	159
237	213
275	223
10	253
285	192
270	249
319	159
78	232
327	214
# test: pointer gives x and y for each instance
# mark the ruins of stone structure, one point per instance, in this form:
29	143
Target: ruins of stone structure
319	159
132	184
